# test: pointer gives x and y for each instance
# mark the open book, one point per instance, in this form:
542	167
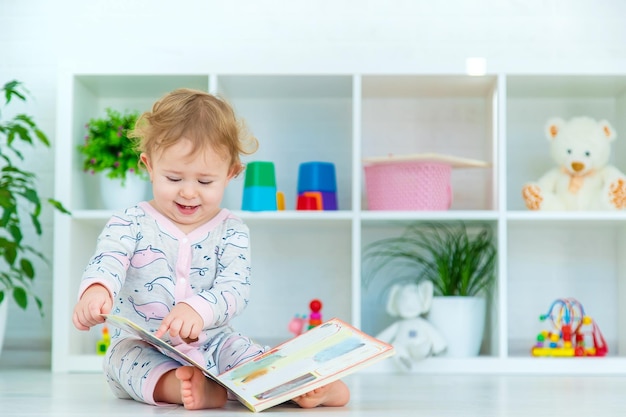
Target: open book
322	355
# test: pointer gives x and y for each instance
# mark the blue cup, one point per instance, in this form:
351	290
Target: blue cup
259	198
317	176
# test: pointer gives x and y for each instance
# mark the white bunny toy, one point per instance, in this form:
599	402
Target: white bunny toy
413	337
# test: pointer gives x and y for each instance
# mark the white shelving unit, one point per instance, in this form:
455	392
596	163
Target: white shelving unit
342	118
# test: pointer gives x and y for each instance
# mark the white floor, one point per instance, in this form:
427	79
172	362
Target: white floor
41	393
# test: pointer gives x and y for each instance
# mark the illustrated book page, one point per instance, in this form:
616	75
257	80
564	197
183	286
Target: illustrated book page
315	358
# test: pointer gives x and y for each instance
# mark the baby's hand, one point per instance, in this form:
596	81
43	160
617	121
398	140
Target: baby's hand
94	302
181	321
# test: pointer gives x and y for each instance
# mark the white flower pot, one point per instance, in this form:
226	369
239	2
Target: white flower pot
116	196
461	321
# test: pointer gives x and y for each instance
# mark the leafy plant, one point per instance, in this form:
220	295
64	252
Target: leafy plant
19	199
107	147
458	262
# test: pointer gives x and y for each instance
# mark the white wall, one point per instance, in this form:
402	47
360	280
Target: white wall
515	36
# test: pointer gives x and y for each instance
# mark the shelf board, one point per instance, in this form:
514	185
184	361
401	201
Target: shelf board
286	86
549	86
304	215
449	215
566	216
377	86
139	85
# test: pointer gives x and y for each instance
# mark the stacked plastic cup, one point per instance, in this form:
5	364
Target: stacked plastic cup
317	183
259	192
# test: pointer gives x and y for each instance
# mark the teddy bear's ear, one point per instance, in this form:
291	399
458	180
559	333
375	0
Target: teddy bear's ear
607	130
554	127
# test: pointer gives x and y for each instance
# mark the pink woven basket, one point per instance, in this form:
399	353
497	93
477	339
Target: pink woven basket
408	185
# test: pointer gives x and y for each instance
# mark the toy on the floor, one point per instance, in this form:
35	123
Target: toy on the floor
103	344
300	323
413	337
297	324
583	179
315	318
573	334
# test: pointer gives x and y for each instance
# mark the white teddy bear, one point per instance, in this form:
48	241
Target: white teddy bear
413	337
583	178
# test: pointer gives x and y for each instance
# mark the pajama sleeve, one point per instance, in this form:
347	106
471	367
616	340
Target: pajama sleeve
114	248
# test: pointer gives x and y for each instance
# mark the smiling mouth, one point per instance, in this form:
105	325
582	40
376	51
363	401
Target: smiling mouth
184	207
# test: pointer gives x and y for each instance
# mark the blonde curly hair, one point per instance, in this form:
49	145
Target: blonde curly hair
208	121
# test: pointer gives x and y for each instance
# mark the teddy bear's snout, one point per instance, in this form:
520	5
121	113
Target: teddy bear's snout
578	166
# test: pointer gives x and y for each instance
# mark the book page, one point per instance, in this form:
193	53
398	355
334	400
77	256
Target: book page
315	358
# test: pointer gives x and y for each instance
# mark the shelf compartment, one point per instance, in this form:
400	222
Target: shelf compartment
549	260
292	263
76	239
89	98
533	100
296	119
374	317
443	114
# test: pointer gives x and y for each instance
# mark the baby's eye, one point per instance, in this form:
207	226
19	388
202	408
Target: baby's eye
205	182
173	179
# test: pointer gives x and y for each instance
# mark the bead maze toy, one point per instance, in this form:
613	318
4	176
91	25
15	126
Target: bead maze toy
300	323
574	334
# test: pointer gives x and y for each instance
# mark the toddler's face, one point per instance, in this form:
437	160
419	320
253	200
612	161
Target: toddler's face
187	187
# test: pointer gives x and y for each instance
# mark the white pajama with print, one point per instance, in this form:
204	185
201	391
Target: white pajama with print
149	265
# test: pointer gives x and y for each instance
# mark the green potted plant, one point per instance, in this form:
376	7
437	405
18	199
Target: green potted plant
19	201
459	260
108	150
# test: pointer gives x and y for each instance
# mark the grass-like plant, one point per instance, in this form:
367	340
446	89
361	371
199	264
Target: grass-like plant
107	147
19	200
458	260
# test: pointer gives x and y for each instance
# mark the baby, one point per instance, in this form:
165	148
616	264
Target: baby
180	264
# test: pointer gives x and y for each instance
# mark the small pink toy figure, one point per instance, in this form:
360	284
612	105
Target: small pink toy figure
315	318
296	325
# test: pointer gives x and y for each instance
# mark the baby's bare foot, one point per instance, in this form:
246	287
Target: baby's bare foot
335	394
197	391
